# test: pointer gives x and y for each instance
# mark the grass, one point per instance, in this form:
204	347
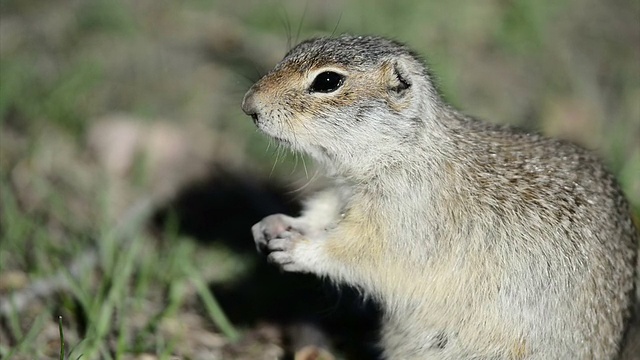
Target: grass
74	219
62	352
109	308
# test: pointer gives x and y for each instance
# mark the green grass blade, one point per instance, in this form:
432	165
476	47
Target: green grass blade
211	304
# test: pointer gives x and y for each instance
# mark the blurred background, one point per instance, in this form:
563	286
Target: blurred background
129	176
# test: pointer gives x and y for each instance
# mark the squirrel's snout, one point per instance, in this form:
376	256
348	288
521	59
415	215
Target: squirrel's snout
249	105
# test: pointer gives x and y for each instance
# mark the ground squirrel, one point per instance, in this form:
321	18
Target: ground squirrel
479	241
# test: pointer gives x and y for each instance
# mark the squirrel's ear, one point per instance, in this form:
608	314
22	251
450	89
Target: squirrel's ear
398	82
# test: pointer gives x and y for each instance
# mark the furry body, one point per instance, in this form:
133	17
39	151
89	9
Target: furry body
479	241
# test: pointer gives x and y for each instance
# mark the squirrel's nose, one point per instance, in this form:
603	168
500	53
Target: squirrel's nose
249	105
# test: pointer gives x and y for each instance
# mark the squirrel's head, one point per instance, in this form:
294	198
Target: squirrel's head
347	101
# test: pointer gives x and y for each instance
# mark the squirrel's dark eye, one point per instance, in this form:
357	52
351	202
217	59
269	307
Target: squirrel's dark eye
327	82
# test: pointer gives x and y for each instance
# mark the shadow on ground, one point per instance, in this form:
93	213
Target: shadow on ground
223	209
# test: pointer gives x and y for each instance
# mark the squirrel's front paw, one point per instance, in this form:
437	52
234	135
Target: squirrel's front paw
280	237
272	227
281	251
